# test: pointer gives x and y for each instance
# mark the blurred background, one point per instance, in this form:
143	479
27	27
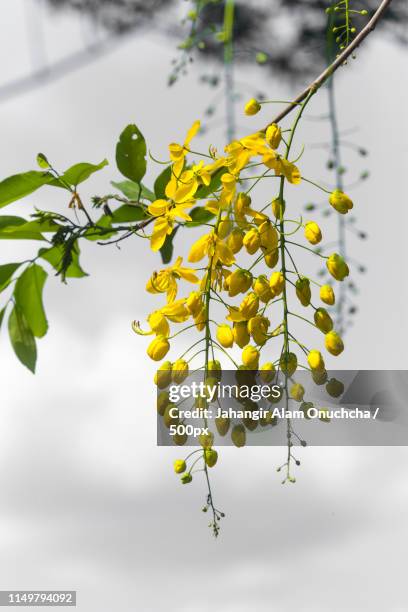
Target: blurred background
88	501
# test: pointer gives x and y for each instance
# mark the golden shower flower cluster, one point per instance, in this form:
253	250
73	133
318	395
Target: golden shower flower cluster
253	297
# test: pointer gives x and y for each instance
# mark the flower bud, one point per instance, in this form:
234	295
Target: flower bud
297	392
250	357
180	439
238	435
262	289
258	328
239	282
303	291
323	320
158	348
194	303
313	232
224	336
222	424
273	135
267	372
162	378
335	387
179	371
319	377
316	361
271	259
337	266
179	466
242	204
333	343
170	416
186	478
240	333
252	107
252	240
206	440
340	201
162	402
224	228
210	457
235	240
288	363
269	236
215	368
327	295
277	283
278	207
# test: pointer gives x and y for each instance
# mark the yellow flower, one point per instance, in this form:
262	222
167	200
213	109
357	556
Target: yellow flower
166	213
327	295
315	360
277	283
252	107
214	247
178	152
225	336
323	320
273	135
267	372
158	348
340	201
297	392
240	333
247	309
250	357
179	371
176	311
239	282
337	266
258	328
262	288
282	167
288	363
158	323
333	343
312	232
303	291
180	466
165	281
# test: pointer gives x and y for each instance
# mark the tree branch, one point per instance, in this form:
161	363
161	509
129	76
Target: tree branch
318	82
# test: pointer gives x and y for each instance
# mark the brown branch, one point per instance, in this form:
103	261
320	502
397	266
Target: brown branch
322	78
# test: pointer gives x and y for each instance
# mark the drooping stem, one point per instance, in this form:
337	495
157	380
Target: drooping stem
339	61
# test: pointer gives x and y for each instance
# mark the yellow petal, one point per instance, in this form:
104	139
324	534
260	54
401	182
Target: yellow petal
160	230
192	132
158	207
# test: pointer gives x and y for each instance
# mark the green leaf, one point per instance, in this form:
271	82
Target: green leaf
22	339
128	213
28	295
199	216
161	182
131	154
78	174
204	192
133	191
42	161
6	272
167	249
20	185
54	256
2	312
17	228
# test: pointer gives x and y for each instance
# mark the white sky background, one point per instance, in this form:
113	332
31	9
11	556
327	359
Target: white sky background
87	501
